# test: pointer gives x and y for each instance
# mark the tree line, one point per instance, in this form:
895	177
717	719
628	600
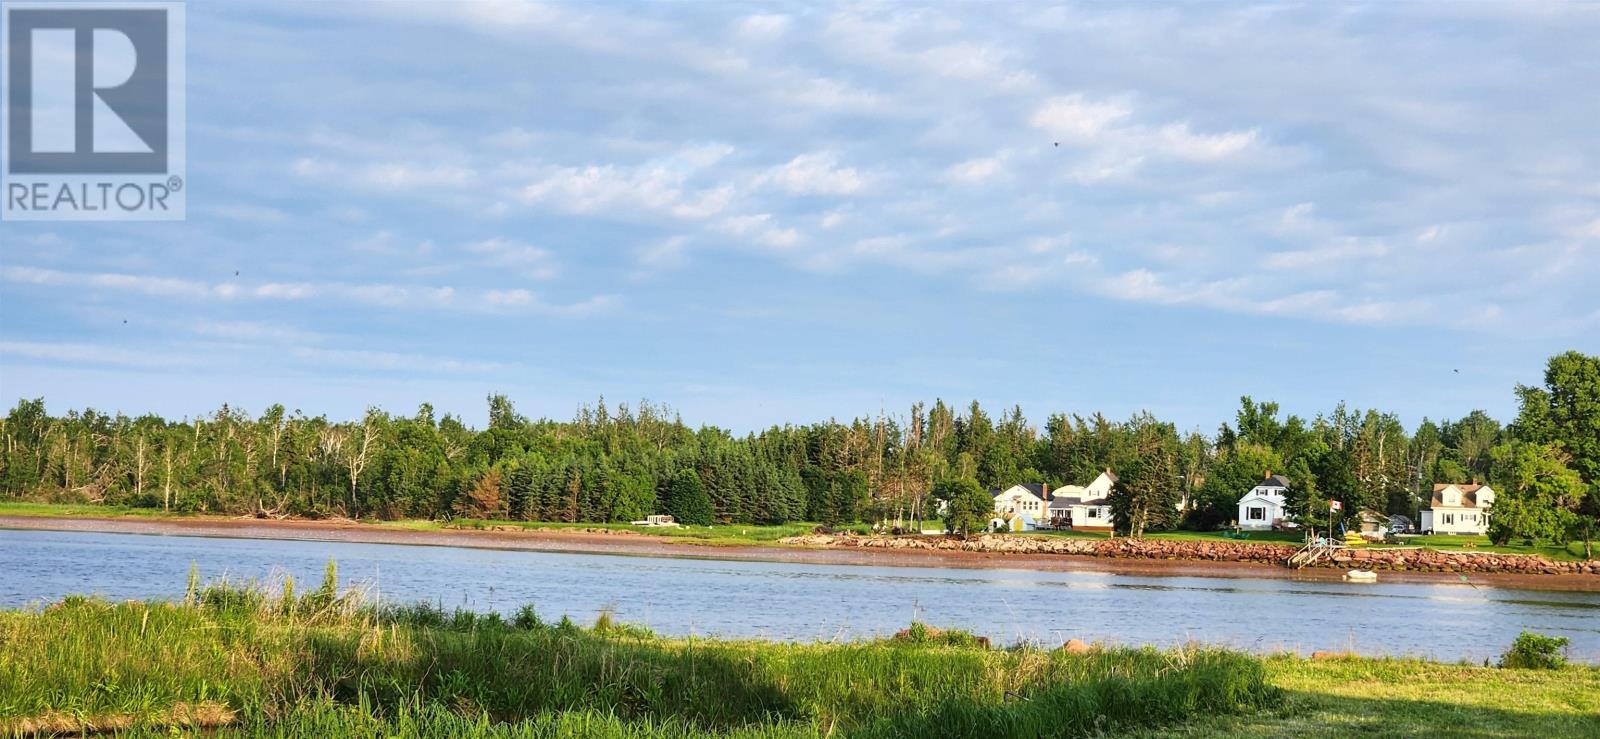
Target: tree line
619	463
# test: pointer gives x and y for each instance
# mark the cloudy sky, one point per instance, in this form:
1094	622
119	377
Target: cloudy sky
770	213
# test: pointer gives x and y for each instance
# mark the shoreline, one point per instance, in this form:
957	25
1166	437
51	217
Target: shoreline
645	545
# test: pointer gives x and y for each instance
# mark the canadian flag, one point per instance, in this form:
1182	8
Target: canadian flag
1334	505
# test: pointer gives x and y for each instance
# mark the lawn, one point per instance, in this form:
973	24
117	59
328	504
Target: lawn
1573	551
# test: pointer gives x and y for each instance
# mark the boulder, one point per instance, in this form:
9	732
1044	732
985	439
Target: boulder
1076	646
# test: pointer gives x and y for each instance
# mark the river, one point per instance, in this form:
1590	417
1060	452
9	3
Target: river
793	601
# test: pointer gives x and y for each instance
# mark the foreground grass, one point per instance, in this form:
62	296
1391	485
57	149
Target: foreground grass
1408	698
248	662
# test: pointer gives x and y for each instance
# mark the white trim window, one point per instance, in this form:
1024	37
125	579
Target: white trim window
1257	513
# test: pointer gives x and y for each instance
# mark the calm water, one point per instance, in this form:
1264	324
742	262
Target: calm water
808	601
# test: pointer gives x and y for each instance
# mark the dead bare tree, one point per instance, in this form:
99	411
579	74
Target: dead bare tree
358	455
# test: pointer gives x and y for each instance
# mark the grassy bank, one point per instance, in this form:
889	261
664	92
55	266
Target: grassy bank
263	663
252	662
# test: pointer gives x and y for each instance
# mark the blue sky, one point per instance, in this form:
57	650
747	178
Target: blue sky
789	212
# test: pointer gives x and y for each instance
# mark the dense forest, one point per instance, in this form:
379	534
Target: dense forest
621	462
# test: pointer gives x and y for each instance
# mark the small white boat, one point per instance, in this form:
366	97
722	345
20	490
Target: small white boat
1361	576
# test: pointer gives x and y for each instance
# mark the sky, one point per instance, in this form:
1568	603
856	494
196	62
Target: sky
782	213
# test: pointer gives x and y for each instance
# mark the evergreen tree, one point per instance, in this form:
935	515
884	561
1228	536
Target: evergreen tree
686	500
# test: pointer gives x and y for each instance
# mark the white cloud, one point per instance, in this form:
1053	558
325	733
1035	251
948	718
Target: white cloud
1343	249
386	176
663	254
762	229
531	261
1118	145
387	244
763	26
383	295
1178	141
252	331
85	353
977	170
248	213
1076	119
817	173
660	187
1240	295
393	361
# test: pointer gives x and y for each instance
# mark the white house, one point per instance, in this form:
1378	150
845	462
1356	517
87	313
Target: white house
1264	506
1458	508
1083	507
1025	503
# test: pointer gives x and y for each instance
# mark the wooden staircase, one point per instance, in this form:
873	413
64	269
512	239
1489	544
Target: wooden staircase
1313	552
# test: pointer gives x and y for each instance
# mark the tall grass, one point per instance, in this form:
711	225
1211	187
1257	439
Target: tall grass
325	663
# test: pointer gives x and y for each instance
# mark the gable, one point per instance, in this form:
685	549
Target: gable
1457	495
1254	496
1018	493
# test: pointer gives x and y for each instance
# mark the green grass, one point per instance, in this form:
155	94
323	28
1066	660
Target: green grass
67	510
725	534
1409	698
265	663
278	664
1260	537
1448	542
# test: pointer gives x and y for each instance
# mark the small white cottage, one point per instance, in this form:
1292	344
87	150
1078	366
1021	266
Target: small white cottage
1027	499
1458	508
1085	507
1265	505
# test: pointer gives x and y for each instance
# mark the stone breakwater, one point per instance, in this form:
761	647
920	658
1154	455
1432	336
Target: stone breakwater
1414	560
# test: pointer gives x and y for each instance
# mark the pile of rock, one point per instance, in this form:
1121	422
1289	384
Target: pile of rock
1424	560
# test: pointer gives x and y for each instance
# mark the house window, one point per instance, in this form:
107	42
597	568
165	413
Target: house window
1449	518
1257	514
1094	513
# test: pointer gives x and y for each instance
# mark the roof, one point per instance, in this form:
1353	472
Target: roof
1275	481
1111	474
1037	489
1065	501
1469	495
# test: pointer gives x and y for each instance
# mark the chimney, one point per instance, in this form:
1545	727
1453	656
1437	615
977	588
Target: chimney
1266	475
